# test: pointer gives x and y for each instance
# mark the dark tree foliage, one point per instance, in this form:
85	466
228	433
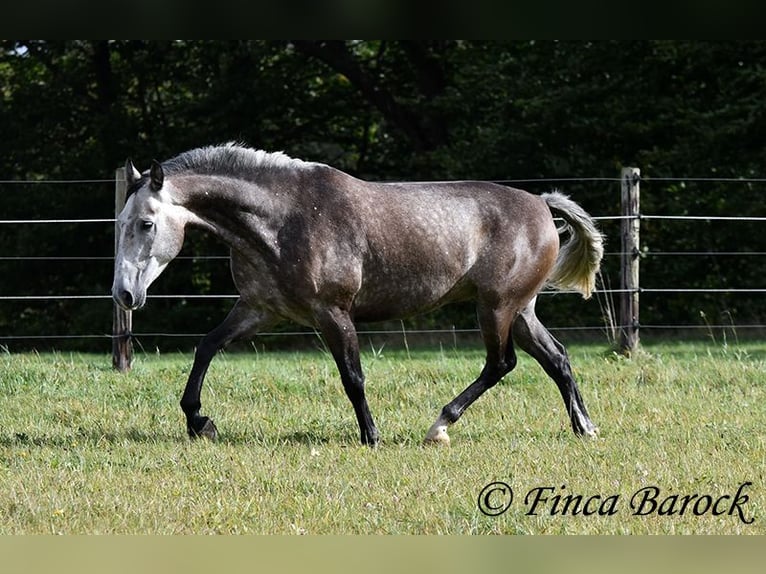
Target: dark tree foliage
383	110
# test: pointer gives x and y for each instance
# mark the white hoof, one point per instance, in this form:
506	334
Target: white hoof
589	430
437	435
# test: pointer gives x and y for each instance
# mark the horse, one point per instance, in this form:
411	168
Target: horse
319	247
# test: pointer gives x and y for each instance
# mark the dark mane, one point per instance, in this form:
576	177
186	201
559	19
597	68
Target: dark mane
230	159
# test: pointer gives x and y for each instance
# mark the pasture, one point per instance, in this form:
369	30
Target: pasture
86	450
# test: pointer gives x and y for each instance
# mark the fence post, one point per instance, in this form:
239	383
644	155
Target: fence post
629	235
122	321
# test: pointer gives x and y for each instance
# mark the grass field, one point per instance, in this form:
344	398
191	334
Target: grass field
87	450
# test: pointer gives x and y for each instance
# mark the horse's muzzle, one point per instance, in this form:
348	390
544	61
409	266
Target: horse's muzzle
126	299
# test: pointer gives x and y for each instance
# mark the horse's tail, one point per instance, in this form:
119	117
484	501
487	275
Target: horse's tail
580	256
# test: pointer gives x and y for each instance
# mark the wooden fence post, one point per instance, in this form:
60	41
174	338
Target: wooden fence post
629	235
122	321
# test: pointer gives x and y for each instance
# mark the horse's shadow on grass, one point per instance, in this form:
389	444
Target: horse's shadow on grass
148	436
88	436
143	436
298	438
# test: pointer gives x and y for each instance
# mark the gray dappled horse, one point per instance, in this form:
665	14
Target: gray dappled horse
314	245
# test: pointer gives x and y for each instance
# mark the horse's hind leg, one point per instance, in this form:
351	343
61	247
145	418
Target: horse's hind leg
501	359
534	338
240	321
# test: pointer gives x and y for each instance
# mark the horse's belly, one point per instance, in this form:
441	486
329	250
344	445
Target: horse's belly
417	270
397	298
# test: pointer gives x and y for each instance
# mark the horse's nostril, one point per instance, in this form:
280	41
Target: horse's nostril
127	298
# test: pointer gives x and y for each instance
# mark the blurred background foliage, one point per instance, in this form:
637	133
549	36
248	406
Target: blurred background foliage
382	110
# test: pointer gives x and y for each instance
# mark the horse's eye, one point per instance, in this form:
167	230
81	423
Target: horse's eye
146	225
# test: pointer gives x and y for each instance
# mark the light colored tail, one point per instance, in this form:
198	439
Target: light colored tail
580	256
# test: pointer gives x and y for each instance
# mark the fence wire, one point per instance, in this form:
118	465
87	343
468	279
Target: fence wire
18	184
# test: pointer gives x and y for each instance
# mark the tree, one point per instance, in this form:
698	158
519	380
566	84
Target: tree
382	110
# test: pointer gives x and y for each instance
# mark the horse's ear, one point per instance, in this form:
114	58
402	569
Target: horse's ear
132	175
156	176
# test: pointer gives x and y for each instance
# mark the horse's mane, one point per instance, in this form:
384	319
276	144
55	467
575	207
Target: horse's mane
231	159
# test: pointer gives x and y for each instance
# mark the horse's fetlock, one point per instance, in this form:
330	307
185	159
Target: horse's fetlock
450	414
371	438
191	410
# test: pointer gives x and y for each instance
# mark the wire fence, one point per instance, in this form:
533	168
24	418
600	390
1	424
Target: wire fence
604	291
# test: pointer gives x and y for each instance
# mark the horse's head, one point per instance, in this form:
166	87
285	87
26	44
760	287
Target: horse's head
150	234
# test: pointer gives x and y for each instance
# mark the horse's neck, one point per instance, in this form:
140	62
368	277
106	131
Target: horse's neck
243	214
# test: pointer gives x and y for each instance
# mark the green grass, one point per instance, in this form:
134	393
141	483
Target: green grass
87	450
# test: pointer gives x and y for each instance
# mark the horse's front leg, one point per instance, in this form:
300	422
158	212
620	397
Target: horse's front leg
340	335
240	322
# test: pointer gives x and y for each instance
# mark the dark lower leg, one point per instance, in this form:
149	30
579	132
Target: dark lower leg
501	359
240	321
490	375
368	432
197	425
340	334
535	339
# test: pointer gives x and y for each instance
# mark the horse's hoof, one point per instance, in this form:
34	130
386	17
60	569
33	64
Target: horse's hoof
590	433
437	435
370	437
208	431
